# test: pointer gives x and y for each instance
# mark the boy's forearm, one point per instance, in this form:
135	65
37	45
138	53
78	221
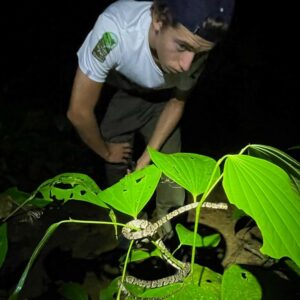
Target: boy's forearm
84	98
88	130
167	122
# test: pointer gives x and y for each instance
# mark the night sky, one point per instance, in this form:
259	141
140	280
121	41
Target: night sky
247	94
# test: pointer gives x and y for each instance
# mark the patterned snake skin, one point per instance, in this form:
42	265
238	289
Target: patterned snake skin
139	229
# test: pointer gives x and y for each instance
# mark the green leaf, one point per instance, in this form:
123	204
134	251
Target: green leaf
191	171
264	192
280	158
186	237
35	253
51	229
140	254
110	292
208	289
73	291
132	192
239	283
71	186
3	243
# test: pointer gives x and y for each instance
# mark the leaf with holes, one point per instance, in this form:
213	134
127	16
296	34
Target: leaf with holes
238	283
132	192
71	186
264	191
191	171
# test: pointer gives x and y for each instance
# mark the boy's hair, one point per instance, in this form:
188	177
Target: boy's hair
163	14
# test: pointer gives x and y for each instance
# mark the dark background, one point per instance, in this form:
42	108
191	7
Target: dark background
247	94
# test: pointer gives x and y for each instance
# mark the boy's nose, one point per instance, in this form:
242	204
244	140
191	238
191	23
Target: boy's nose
186	60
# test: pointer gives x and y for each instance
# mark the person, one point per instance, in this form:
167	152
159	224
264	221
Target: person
153	53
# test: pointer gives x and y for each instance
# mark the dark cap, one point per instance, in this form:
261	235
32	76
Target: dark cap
209	19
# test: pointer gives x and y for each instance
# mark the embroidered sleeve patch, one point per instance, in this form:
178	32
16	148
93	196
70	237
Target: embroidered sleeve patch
107	42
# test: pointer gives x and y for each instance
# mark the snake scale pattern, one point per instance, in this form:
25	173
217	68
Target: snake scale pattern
140	229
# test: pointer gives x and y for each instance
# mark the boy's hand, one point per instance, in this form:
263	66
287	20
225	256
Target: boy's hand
118	152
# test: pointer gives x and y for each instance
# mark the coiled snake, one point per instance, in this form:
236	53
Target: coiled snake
146	229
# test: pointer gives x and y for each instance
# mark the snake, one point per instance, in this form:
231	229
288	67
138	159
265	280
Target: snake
139	229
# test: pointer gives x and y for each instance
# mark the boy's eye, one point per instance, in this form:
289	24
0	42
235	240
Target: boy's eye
181	47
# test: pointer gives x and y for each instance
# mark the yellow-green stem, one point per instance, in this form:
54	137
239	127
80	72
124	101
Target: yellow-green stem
41	243
198	209
125	267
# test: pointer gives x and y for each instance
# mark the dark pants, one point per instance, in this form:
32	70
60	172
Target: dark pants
126	116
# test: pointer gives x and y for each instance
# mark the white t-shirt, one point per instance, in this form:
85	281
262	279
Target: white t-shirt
119	42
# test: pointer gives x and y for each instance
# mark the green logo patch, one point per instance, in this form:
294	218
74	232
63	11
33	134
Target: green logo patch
107	42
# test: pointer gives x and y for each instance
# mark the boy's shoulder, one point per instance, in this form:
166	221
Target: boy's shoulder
128	12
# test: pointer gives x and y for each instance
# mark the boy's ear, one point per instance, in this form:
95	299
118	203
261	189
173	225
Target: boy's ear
156	22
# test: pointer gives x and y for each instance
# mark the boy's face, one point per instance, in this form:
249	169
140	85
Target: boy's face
175	48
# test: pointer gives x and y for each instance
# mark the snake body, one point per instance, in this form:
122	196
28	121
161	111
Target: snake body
148	229
139	229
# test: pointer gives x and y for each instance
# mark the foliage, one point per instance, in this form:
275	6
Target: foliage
132	193
264	184
73	291
3	242
264	192
239	283
186	237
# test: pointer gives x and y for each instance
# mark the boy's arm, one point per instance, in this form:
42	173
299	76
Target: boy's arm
84	97
167	122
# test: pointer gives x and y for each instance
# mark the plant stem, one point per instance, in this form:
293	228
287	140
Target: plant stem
20	206
41	243
209	189
125	267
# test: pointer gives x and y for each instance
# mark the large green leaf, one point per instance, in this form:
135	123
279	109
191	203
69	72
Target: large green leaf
238	283
203	284
133	191
191	171
280	158
72	186
264	192
3	243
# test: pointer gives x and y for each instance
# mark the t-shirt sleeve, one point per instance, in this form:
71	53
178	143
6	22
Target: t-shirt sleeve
100	52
